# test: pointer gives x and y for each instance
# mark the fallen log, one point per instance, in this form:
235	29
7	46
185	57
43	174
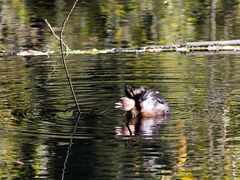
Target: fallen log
185	47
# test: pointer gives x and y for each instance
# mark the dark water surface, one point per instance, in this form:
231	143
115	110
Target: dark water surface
200	140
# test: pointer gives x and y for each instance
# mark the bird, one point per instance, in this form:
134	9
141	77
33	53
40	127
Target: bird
142	102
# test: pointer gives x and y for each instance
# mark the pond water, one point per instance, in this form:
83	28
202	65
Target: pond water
199	140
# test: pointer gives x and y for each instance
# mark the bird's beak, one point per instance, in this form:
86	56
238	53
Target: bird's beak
118	105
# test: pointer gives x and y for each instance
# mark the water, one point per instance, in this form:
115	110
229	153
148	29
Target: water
200	140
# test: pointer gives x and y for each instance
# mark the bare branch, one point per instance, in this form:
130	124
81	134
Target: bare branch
55	35
63	56
71	87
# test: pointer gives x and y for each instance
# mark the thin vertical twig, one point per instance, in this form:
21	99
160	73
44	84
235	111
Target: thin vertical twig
71	87
63	57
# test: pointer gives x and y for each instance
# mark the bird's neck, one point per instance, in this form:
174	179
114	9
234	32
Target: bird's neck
134	112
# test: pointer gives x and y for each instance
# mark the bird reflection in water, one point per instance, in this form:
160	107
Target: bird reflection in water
142	126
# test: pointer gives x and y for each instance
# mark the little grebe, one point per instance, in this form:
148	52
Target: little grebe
143	102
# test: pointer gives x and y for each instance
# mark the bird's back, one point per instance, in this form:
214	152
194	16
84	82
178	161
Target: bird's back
152	104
